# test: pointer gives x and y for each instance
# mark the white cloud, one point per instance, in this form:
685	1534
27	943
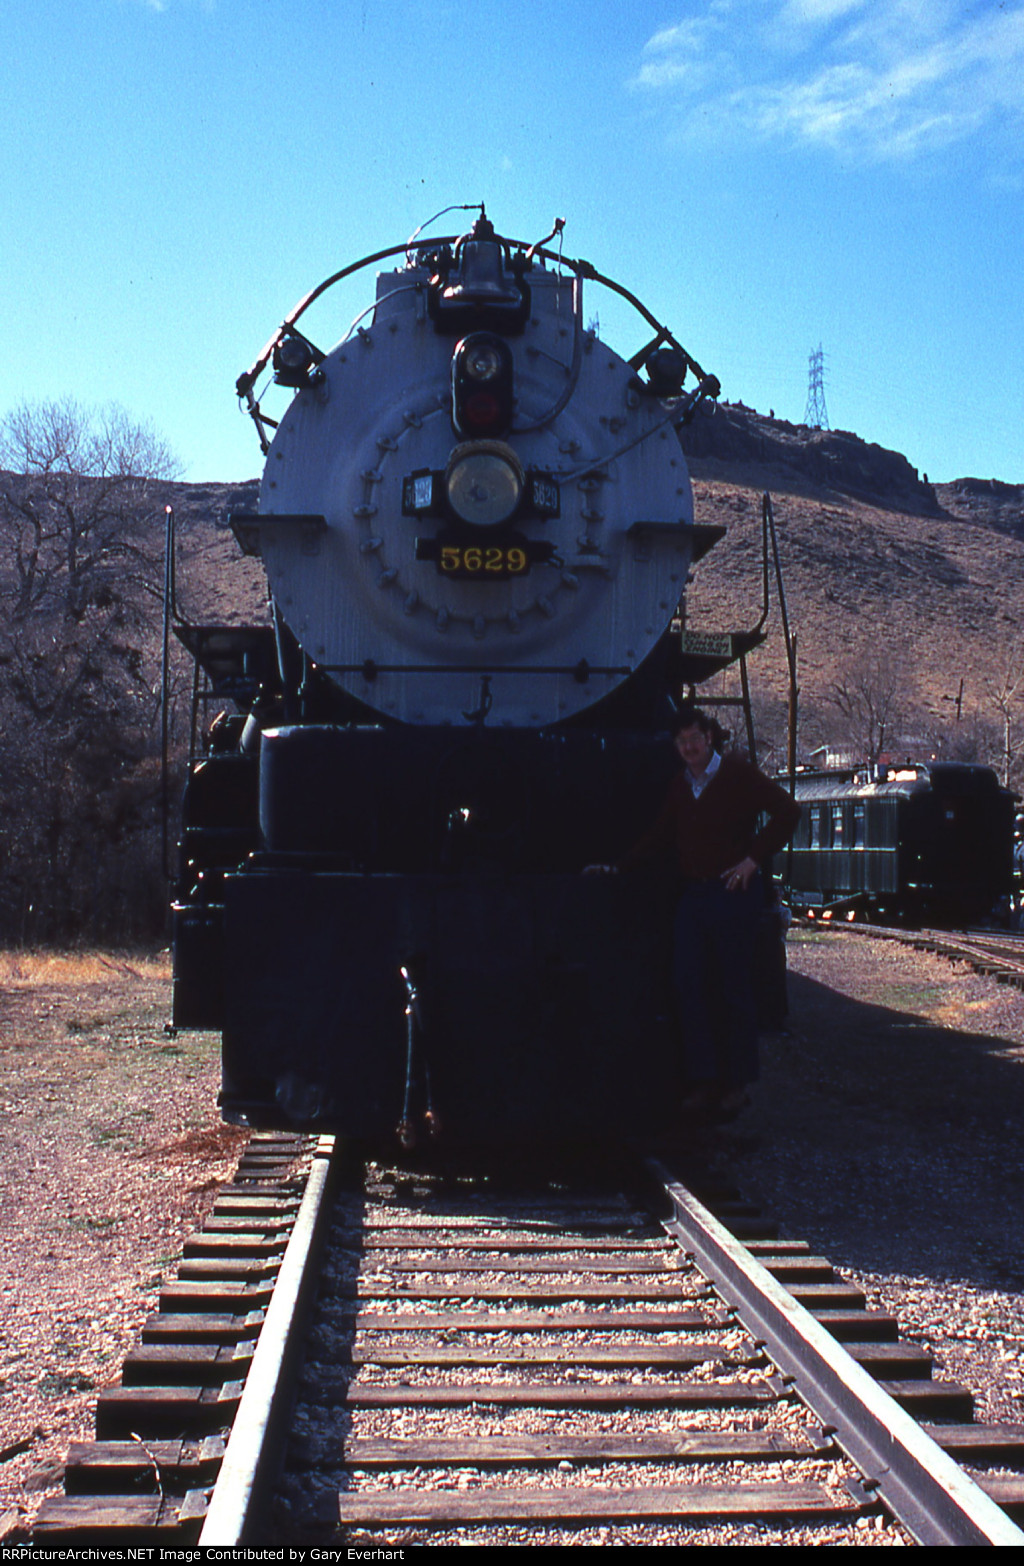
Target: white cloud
871	81
686	54
811	12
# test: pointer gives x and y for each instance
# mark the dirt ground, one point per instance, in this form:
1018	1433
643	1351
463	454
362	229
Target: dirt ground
886	1131
110	1150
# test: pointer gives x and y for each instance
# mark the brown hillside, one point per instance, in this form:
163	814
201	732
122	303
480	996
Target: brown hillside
876	562
216	583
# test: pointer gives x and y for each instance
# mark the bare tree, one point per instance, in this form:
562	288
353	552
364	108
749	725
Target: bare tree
1006	695
71	502
871	696
971	740
80	592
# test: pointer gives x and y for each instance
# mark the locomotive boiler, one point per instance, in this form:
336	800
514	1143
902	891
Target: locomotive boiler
477	527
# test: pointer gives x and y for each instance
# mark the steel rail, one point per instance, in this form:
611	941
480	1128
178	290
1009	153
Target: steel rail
235	1499
998	954
991	947
925	1489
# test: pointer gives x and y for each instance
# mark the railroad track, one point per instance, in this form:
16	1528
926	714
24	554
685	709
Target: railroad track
161	1436
488	1366
995	954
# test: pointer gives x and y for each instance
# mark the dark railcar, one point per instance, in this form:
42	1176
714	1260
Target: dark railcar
926	843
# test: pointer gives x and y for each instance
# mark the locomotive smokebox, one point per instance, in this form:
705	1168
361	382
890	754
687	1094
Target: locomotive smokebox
515	503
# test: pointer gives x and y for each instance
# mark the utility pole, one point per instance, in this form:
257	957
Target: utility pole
816	414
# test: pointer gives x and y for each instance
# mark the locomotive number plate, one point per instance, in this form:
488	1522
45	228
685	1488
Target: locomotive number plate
484	560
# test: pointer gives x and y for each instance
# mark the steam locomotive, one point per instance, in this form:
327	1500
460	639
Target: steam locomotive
477	527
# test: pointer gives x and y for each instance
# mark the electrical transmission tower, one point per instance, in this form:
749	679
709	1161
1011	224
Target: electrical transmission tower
816	414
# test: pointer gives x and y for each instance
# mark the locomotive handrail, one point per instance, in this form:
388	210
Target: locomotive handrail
586	270
789	638
247	379
582	269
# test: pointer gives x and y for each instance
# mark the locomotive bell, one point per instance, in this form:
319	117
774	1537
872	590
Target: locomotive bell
479	290
481	278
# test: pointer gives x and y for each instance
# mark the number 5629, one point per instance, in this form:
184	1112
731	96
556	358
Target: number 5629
486	560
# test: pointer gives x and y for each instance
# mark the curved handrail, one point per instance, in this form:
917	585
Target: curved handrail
582	269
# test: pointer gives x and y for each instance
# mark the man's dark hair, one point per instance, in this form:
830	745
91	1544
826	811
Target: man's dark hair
690	716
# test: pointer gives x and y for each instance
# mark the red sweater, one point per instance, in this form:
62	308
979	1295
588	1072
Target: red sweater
708	835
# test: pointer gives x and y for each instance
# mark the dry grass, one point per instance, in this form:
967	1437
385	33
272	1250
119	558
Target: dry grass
25	969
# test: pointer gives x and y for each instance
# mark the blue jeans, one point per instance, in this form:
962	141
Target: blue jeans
713	972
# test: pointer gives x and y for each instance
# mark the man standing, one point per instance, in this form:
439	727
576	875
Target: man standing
709	829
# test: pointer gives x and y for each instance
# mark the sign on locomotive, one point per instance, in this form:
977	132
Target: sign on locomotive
477	527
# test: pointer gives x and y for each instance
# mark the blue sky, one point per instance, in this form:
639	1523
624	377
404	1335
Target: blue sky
765	174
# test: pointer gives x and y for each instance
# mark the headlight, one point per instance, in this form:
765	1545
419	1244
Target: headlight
482	360
484	482
483	387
